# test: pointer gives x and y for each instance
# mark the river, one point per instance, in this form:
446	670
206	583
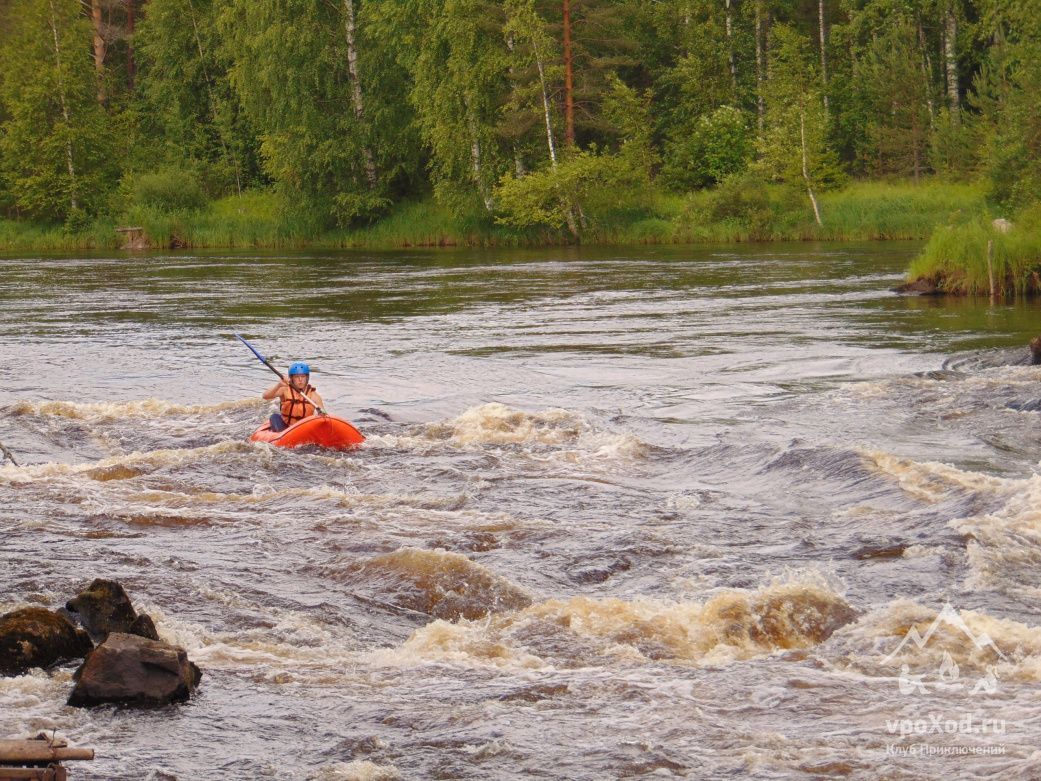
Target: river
621	513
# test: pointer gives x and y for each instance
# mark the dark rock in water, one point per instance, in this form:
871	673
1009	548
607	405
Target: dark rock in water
536	693
891	550
36	637
600	572
105	607
144	626
132	670
1035	351
376	413
1034	405
921	286
435	582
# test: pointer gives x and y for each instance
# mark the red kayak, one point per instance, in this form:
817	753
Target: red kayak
321	430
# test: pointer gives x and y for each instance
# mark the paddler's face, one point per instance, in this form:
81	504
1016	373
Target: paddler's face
299	381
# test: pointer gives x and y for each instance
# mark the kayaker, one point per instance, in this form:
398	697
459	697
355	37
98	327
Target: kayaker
294	406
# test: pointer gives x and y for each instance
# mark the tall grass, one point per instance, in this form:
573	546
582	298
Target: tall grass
428	223
964	258
746	210
901	210
16	235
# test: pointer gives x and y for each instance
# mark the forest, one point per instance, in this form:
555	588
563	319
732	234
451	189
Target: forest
221	122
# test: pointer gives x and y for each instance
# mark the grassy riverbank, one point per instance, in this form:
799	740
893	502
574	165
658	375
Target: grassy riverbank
738	212
978	255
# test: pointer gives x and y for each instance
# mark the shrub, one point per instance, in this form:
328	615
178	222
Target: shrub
164	190
719	146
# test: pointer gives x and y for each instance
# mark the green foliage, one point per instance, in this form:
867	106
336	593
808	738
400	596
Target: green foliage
460	74
895	88
57	158
745	200
629	114
956	257
335	124
331	158
719	146
795	117
169	190
565	195
190	109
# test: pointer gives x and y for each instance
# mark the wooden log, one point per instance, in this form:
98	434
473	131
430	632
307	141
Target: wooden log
50	773
17	751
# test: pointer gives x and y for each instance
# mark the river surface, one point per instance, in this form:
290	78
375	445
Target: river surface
621	513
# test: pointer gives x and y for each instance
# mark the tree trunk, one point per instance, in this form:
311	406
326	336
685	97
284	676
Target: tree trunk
70	165
546	107
730	45
356	99
475	159
824	54
806	168
131	65
760	68
569	88
927	74
99	47
951	57
518	161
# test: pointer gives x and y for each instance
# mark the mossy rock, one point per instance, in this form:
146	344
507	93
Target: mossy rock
37	637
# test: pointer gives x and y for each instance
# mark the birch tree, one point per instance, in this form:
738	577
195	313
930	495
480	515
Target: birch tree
56	146
793	147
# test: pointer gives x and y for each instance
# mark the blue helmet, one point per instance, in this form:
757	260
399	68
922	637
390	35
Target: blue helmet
299	368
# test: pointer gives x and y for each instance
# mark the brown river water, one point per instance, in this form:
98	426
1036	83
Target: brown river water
622	513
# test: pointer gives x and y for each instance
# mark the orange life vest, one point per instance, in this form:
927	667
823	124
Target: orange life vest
295	407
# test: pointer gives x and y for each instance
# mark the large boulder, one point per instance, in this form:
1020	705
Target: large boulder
37	637
133	670
104	607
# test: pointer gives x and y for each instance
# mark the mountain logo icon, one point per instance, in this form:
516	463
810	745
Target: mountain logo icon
948	673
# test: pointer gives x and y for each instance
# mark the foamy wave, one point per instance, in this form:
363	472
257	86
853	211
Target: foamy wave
145	408
932	481
1004	551
120	467
31	688
963	647
497	424
985	380
730	626
357	770
435	582
293	647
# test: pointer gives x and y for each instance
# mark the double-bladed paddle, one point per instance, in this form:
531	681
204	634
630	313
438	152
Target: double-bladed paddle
267	362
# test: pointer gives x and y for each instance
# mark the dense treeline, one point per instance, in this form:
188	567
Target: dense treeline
530	112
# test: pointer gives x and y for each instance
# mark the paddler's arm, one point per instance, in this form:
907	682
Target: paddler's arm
275	391
315	397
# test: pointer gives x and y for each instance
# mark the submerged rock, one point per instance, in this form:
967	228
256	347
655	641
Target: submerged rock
133	670
1035	351
922	286
436	582
37	637
104	607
